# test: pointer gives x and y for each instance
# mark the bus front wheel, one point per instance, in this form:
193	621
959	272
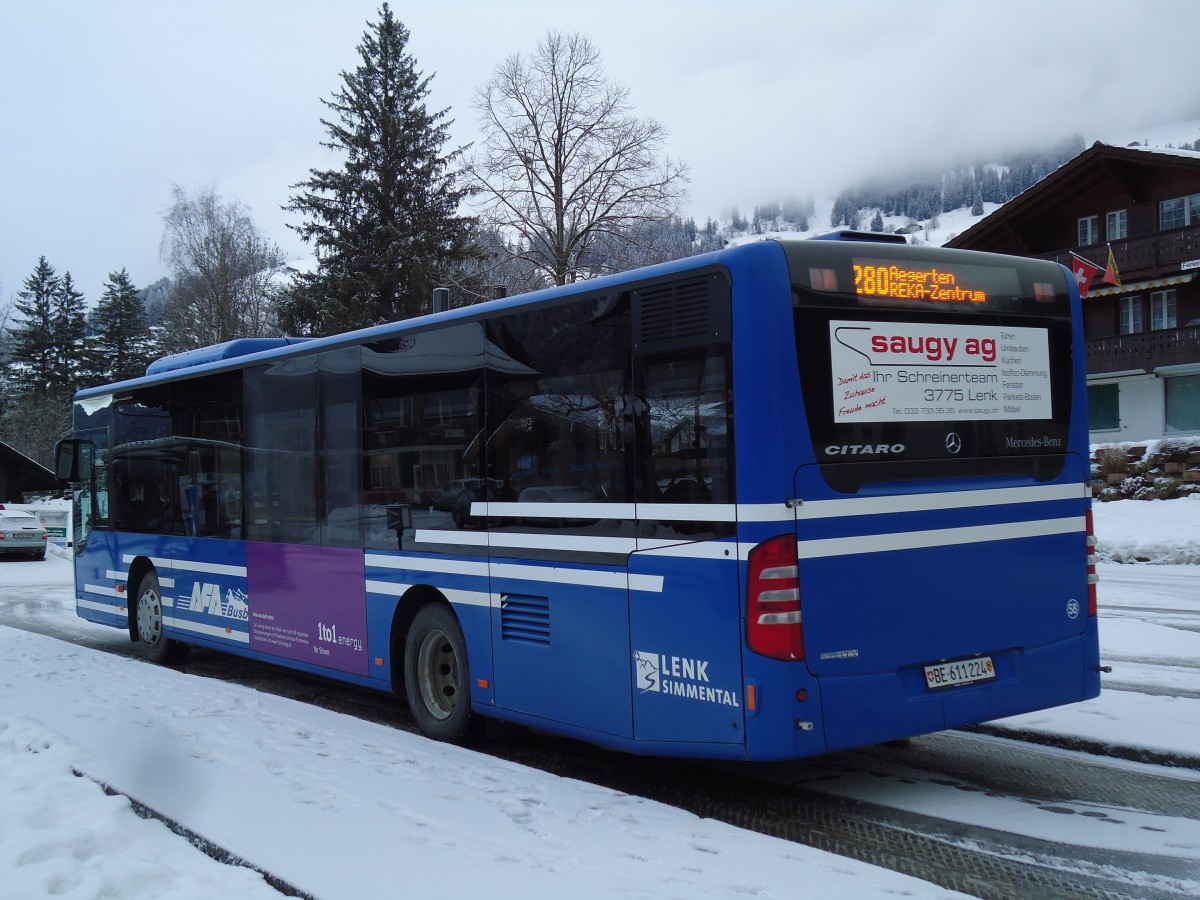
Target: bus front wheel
436	674
149	616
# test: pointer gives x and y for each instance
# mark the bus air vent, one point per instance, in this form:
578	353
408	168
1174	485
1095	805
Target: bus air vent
525	618
689	313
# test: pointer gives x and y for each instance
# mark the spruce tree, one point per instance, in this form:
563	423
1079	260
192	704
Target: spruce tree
74	364
33	353
122	330
384	226
977	203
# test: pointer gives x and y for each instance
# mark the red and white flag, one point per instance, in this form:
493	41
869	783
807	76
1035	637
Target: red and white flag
1085	273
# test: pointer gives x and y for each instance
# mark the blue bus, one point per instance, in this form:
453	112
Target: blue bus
786	498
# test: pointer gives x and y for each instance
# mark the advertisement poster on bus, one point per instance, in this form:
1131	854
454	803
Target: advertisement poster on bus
308	604
906	371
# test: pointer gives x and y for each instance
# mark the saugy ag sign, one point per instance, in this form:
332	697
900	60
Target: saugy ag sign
899	371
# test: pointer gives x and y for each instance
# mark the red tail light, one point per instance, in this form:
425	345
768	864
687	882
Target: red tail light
773	624
1091	564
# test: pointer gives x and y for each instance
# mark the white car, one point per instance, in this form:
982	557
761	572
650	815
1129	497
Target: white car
21	532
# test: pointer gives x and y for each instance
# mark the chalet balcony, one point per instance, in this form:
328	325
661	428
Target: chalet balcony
1144	351
1143	257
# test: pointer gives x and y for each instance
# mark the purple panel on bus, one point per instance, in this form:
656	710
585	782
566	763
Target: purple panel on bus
309	604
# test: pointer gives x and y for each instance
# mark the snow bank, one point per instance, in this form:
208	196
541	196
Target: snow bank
1151	531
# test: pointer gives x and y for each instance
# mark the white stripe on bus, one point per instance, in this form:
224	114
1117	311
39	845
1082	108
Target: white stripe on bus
546	574
454	595
624	512
186	565
938	537
98	607
781	512
582	543
444	565
101	590
163	580
870	506
241	637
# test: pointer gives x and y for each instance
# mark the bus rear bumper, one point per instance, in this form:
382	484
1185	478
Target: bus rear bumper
868	709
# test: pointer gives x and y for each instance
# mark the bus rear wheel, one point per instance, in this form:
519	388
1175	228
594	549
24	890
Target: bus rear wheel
149	620
436	674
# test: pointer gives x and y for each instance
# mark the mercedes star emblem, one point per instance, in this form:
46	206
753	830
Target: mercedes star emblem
953	442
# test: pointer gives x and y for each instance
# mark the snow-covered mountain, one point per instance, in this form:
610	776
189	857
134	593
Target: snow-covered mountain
946	225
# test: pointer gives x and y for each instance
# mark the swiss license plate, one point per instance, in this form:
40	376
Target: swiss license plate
962	671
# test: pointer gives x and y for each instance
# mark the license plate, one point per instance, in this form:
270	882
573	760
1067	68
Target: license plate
25	537
963	671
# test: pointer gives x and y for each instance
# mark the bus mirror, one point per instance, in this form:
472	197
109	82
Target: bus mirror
73	460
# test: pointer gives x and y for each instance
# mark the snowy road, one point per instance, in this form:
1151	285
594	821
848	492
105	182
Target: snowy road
963	810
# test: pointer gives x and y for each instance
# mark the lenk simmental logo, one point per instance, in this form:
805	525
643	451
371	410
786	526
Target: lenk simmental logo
678	676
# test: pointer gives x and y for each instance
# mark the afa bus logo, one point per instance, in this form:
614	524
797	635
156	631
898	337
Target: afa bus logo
678	676
206	598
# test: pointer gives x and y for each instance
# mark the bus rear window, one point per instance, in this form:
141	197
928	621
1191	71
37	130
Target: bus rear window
923	363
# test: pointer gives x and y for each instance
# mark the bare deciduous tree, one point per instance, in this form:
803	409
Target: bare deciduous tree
564	161
221	271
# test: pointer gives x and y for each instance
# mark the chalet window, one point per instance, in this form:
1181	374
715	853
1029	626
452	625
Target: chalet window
382	471
1103	407
1171	214
1162	309
1178	212
1117	225
1089	230
1131	315
1183	404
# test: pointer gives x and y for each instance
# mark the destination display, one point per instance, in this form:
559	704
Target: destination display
903	371
943	283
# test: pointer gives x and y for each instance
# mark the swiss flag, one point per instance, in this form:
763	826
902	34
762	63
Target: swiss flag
1085	273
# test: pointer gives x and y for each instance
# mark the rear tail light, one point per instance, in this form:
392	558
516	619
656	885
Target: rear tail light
773	621
1091	564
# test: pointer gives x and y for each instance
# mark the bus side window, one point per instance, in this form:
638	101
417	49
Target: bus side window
684	427
556	425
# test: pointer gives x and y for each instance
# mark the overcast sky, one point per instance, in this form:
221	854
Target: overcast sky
106	104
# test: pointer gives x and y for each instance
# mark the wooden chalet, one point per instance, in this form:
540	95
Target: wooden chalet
1143	333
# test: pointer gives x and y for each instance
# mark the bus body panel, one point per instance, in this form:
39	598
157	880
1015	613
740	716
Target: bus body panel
560	638
770	436
392	577
937	578
205	590
788	720
686	657
102	593
867	709
882	591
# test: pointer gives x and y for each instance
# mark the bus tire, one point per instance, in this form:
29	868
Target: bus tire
148	614
436	674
